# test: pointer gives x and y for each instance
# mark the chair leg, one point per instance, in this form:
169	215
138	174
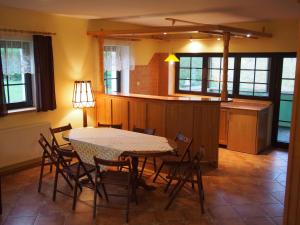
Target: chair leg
171	179
158	171
66	179
175	187
55	184
143	167
128	202
105	193
51	168
192	181
95	202
75	195
41	174
200	191
154	164
179	187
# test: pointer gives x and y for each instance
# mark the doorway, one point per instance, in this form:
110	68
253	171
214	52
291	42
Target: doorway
285	101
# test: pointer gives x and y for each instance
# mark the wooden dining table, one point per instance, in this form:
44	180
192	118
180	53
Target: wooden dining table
110	143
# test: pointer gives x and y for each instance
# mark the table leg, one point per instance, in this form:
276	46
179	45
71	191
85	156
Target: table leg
138	181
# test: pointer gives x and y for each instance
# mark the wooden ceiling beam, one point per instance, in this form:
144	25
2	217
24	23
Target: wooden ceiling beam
207	28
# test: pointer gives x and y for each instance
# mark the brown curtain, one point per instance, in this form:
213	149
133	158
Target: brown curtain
44	73
3	109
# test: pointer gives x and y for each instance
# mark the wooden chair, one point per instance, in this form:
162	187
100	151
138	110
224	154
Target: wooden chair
149	131
79	172
116	126
189	169
54	131
181	154
113	177
49	158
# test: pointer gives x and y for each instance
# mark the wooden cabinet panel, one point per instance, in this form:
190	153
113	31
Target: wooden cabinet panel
103	110
137	114
223	127
206	130
155	117
179	117
194	118
120	112
242	131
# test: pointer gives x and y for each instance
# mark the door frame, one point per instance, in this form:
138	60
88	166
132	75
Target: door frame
278	66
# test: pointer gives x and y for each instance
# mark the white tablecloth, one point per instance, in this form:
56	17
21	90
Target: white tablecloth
110	143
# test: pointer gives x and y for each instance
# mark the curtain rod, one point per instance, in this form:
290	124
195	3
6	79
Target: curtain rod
26	31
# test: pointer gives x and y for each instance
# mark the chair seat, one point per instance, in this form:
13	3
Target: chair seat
114	178
66	147
73	169
172	159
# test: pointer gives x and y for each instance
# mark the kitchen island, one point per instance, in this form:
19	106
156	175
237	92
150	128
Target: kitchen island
196	117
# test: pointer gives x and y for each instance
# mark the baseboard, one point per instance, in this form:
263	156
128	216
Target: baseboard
20	166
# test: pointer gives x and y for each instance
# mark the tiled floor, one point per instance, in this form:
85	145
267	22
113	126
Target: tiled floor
244	190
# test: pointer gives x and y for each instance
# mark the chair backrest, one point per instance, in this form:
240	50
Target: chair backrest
56	130
116	126
149	131
47	148
64	155
183	146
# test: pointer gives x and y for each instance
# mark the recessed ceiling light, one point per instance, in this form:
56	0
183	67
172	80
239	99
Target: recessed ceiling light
165	33
248	35
219	39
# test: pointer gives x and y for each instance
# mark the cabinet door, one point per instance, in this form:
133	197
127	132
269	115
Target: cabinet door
223	127
242	131
120	112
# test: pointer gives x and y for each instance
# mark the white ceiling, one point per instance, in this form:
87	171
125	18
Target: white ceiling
153	12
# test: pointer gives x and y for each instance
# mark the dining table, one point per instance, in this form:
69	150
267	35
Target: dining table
111	143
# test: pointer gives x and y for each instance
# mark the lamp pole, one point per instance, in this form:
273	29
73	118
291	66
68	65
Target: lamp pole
84	117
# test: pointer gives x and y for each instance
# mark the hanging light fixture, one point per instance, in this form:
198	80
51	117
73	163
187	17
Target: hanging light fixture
172	57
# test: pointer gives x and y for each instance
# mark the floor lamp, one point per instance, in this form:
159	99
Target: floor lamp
83	97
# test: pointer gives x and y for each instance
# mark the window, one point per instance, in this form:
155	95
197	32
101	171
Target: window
112	68
250	75
215	74
17	61
190	74
112	81
254	76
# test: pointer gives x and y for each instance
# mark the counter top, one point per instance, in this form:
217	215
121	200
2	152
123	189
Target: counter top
170	98
244	106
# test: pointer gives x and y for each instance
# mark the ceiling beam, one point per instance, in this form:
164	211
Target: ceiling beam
213	29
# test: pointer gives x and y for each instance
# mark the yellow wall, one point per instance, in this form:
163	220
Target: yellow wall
74	58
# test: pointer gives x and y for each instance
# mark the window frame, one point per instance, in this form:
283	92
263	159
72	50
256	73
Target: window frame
28	82
276	60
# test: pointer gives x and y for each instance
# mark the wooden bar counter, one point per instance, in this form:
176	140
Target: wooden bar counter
196	117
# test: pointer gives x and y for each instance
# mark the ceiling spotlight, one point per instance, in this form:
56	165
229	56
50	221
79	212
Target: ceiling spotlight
248	35
219	39
165	33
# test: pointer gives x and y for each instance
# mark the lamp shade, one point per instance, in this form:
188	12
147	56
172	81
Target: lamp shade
83	95
172	58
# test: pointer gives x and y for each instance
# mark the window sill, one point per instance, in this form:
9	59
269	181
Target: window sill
21	110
